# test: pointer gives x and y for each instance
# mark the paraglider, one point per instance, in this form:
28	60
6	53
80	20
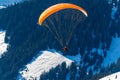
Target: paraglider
58	7
61	20
65	49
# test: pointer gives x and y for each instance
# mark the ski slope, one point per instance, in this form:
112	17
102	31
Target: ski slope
115	76
3	45
44	61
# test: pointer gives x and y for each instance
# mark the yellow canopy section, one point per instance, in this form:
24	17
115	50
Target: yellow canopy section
55	8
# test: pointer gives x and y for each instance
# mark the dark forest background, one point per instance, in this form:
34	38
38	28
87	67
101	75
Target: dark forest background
26	38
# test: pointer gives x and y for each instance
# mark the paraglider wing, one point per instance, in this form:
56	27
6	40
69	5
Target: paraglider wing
55	8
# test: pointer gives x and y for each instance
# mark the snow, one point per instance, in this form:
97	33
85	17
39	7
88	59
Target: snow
8	2
115	76
3	45
76	58
1	7
114	52
44	61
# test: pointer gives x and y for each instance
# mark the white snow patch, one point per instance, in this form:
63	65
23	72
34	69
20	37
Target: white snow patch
3	45
1	7
114	53
115	76
45	61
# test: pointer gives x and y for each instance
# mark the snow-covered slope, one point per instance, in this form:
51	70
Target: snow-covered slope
114	52
44	61
115	76
76	58
3	46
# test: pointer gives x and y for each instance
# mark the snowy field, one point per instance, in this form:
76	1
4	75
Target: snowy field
115	76
44	61
3	46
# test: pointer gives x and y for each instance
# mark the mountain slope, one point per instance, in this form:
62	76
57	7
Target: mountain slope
115	76
3	45
27	38
44	61
8	2
113	53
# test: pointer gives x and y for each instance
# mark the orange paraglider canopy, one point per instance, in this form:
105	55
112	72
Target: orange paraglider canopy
55	8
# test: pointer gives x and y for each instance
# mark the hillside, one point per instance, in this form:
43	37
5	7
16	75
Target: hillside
8	2
44	61
113	53
3	45
91	41
115	76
